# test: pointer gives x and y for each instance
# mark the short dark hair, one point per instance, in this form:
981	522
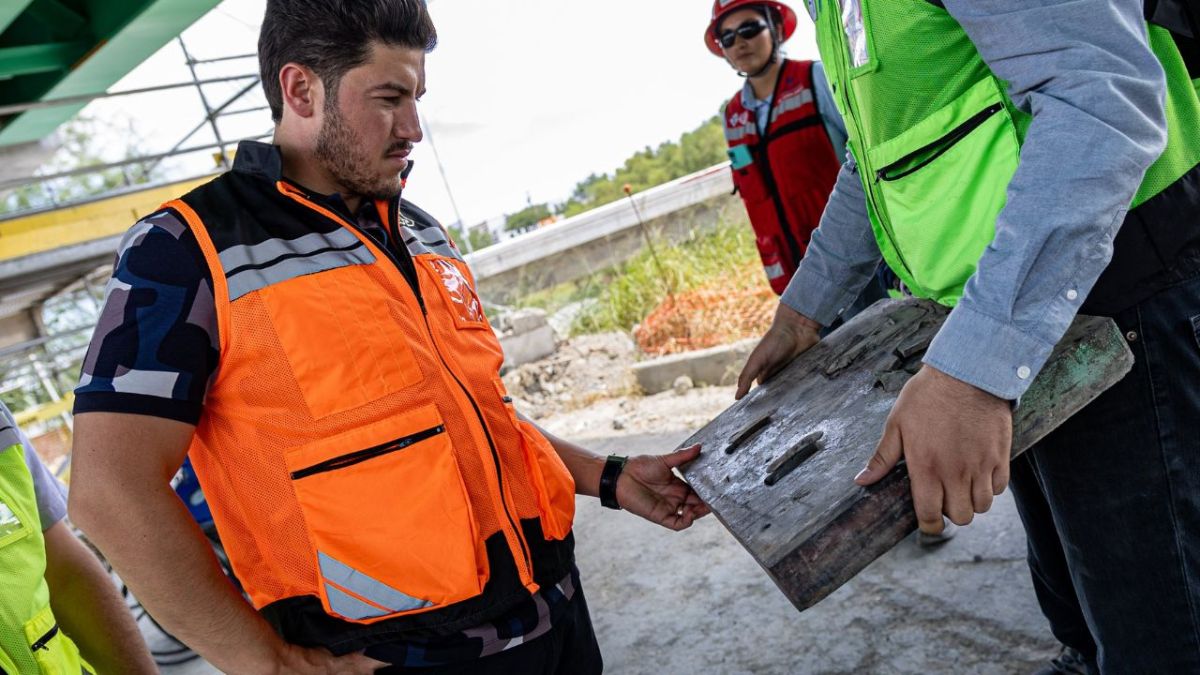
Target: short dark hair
333	36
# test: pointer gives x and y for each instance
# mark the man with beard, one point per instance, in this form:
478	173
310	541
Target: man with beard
315	345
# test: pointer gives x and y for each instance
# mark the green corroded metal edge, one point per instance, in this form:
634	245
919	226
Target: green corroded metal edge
123	45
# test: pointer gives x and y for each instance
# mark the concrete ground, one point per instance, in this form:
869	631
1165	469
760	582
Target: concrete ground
696	603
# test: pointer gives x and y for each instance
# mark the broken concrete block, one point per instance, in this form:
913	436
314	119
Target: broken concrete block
713	366
522	348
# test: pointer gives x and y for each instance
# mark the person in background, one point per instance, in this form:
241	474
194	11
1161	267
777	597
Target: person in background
786	138
59	611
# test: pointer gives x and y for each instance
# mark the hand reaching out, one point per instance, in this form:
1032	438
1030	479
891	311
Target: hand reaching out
649	488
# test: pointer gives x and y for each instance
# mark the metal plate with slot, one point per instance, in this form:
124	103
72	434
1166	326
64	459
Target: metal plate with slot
790	460
815	528
745	434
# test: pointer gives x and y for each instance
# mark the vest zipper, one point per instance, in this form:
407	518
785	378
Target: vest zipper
527	558
350	459
844	68
415	285
940	146
42	642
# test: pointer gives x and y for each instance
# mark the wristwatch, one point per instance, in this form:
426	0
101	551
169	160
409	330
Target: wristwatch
608	480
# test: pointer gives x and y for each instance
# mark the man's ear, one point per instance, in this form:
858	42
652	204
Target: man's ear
303	92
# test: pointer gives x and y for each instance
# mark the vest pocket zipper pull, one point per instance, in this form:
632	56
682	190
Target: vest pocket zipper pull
42	642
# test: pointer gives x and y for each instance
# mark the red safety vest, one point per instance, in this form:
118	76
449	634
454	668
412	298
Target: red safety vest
790	169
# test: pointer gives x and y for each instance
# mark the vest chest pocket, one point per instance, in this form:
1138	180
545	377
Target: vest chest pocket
343	346
750	182
940	185
389	518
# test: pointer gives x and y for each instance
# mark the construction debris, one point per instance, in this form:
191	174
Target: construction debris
583	370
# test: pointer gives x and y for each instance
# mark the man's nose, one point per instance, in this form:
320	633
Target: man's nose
408	124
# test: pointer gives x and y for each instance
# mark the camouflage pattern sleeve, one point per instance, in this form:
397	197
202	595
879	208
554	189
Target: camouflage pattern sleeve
155	348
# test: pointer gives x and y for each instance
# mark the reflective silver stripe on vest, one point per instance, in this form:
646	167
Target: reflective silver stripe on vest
856	32
790	103
424	240
250	268
738	133
372	589
774	271
349	606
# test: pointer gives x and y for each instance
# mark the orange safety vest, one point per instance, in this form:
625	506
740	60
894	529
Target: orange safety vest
784	175
364	465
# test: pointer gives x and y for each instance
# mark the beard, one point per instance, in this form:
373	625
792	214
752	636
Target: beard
346	157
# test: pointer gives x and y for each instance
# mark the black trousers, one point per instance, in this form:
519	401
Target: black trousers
568	648
1111	503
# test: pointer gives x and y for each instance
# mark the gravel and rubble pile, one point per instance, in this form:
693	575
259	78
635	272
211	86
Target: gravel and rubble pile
587	389
585	369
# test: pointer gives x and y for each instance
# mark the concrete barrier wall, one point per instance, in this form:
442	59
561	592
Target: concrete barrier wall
603	237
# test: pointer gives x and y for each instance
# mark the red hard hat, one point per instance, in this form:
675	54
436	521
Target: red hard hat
723	7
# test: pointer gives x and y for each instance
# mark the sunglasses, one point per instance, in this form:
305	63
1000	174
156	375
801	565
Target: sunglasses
746	31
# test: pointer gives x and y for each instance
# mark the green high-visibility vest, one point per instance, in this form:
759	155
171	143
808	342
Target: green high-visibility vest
30	639
937	138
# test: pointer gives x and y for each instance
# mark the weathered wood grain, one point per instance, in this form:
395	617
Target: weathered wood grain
780	463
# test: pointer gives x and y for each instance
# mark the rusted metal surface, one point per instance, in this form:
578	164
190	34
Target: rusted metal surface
784	483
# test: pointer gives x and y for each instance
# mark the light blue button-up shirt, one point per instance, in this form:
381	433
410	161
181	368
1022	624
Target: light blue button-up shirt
830	119
1085	71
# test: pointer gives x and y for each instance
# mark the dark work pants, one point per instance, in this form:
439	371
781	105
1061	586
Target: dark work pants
1111	503
569	648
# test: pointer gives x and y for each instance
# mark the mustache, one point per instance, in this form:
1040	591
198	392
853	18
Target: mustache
400	146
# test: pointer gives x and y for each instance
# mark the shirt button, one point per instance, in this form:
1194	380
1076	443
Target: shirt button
1072	294
1023	372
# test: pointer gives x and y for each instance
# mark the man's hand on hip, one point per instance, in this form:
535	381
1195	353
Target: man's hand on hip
956	440
791	334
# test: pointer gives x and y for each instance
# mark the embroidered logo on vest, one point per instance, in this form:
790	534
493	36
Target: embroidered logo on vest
461	293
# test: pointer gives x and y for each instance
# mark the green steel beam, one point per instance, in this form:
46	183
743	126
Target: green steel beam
10	10
58	21
40	58
127	32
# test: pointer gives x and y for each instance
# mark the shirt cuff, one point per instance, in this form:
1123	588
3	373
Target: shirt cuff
991	355
816	297
138	404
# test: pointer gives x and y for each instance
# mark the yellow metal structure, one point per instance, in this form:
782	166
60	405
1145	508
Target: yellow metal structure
49	230
47	412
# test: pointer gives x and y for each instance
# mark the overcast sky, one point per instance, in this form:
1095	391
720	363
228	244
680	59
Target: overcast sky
524	98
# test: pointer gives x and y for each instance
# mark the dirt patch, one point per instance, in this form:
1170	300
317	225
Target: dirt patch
663	413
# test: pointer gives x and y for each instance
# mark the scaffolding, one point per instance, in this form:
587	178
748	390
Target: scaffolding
37	375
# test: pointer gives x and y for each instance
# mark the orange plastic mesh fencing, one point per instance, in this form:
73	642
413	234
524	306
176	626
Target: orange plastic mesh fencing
712	315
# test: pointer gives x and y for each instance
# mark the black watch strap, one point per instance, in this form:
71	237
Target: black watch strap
608	481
